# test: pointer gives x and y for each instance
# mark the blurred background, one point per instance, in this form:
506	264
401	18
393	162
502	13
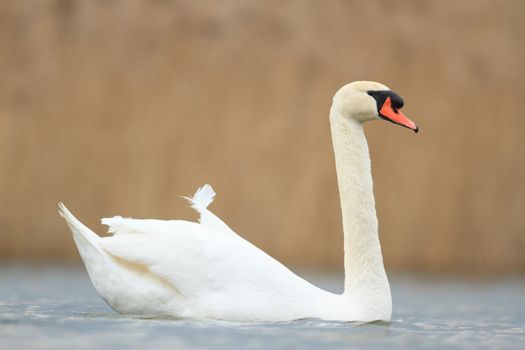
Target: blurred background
118	107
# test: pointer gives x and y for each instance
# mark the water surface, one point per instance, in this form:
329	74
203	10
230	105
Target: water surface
57	308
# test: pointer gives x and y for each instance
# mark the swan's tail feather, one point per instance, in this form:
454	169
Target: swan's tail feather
98	265
202	198
79	230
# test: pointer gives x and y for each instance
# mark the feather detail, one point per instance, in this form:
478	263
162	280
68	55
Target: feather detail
202	198
200	202
79	229
116	225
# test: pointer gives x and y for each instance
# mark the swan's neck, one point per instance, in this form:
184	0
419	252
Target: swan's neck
366	282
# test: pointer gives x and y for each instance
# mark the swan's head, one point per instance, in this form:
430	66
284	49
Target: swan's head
367	100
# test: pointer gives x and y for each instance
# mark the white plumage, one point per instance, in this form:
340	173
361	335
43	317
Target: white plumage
202	198
206	270
188	269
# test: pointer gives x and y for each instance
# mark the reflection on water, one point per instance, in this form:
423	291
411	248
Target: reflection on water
55	307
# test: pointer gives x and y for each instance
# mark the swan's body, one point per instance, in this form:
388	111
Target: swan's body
205	270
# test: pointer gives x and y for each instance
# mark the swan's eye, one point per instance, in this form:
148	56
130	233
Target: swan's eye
397	101
381	95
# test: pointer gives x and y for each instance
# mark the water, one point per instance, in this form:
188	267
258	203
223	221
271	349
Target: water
57	308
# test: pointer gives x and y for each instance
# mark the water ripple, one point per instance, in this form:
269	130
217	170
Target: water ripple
59	309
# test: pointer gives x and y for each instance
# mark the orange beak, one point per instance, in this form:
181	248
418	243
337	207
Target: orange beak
396	116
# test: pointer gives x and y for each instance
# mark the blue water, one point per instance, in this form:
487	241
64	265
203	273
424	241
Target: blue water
57	308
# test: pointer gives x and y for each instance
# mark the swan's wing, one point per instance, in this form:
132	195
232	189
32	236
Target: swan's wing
196	260
200	202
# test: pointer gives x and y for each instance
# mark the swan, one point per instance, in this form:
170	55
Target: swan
205	270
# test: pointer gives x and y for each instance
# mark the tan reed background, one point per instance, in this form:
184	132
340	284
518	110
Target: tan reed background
119	107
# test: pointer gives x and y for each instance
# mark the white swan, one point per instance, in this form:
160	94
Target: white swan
205	270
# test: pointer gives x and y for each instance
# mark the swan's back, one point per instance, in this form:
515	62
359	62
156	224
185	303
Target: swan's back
216	275
189	269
